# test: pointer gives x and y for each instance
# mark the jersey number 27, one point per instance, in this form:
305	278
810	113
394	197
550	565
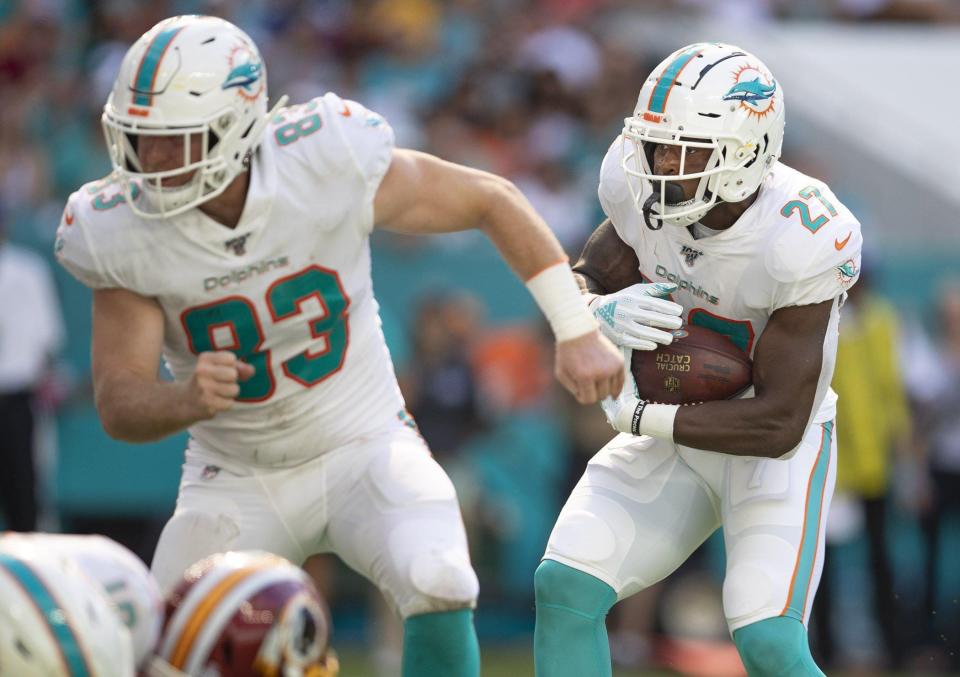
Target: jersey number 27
236	317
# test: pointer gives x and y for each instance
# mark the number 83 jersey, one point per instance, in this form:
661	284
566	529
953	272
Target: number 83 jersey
288	290
797	244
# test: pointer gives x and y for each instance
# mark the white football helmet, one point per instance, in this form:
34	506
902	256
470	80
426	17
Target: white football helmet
56	621
122	576
196	77
706	95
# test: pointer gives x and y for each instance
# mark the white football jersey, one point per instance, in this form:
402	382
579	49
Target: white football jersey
288	290
796	245
124	578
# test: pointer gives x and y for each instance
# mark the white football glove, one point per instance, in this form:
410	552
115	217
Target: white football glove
623	411
630	316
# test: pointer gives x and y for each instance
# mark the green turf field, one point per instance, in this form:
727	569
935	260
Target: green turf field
497	662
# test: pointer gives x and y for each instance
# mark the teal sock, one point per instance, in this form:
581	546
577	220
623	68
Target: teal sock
570	639
776	647
442	644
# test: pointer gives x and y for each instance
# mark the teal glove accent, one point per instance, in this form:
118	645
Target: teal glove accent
638	317
776	647
442	644
570	639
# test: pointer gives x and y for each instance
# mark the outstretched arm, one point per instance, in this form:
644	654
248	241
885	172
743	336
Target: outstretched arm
422	194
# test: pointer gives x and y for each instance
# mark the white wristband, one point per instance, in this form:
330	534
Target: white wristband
556	292
656	420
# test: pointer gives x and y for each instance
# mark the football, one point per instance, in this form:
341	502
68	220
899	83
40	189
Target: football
700	365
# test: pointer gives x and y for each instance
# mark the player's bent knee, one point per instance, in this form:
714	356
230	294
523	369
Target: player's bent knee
562	586
775	647
442	581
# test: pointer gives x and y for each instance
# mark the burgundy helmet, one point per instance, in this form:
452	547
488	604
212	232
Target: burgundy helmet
247	614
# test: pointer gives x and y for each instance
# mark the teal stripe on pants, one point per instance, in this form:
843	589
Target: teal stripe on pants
803	572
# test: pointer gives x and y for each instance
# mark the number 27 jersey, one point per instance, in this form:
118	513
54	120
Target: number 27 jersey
797	244
288	290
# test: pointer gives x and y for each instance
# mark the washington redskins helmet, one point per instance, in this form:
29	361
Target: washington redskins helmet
54	620
706	95
192	77
246	614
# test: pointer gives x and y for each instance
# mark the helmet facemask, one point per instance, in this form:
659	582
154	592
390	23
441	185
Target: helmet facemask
658	196
210	173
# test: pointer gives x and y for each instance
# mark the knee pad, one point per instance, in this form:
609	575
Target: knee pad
442	581
757	581
558	585
776	647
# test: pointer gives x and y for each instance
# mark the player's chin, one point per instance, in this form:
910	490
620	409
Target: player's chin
176	181
687	192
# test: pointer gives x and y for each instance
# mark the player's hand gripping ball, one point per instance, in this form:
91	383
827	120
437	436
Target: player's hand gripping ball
700	365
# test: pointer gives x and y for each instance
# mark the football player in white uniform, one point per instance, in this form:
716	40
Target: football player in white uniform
234	242
700	209
55	619
124	579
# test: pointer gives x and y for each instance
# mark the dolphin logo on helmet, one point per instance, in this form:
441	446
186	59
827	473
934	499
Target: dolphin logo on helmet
244	75
750	91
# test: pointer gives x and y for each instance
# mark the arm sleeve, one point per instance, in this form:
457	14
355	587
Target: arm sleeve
75	249
817	288
810	267
369	143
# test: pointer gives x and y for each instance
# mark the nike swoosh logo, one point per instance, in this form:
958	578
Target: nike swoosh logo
68	218
346	111
840	244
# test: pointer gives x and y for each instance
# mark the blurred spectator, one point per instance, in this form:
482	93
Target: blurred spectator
439	384
518	464
939	414
873	425
31	333
925	11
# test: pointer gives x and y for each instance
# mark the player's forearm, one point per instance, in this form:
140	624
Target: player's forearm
531	250
136	409
746	427
522	237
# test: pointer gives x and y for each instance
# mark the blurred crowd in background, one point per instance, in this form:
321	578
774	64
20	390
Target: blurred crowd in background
532	90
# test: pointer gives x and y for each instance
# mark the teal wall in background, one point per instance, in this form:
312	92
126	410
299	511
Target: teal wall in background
910	276
100	476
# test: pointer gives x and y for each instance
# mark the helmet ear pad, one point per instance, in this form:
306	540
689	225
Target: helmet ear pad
739	185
